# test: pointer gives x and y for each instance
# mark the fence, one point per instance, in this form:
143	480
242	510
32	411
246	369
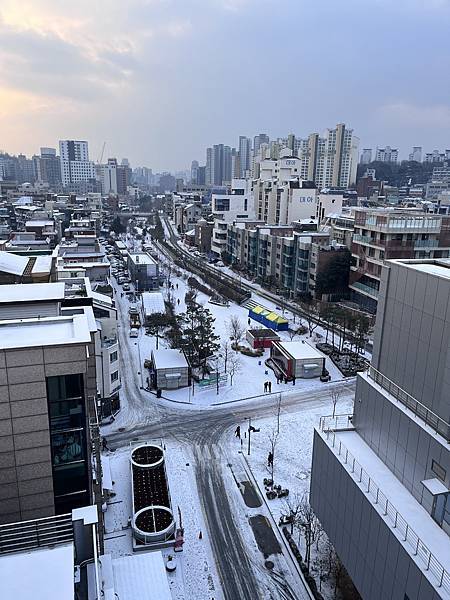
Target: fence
427	415
406	533
26	535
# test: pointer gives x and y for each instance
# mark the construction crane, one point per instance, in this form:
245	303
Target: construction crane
101	155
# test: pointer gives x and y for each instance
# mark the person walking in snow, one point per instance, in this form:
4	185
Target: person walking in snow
270	459
270	386
237	433
178	302
265	386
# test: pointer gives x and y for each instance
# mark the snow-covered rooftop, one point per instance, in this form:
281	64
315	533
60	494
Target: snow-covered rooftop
44	574
141	577
43	264
440	268
31	292
13	263
38	223
299	350
142	258
168	358
153	302
49	331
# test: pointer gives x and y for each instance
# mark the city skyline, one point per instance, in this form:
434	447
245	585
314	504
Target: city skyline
132	81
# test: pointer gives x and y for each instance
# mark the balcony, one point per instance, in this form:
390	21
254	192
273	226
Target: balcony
366	239
426	244
364	289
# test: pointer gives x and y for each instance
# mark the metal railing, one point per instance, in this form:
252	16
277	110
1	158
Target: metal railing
26	535
390	513
420	410
336	422
365	288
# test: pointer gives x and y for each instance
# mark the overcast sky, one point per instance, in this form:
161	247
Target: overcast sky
160	80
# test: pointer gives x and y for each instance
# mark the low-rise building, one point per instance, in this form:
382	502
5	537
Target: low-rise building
170	369
297	359
144	271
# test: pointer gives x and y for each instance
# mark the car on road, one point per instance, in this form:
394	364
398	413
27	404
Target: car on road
133	310
126	287
134	333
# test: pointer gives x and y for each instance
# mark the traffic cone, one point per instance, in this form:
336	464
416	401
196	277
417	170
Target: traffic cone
200	536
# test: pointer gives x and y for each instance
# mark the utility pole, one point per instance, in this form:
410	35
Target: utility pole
249	434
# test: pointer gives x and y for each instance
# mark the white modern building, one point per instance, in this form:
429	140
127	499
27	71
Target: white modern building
387	154
75	163
227	208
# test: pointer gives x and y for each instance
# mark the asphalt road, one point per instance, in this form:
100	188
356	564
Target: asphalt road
203	430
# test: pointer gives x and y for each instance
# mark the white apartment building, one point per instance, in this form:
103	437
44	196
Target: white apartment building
75	163
107	175
227	208
387	154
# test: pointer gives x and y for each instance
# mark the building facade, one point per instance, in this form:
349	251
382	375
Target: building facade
381	477
75	164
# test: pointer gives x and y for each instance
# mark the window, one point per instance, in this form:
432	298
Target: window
438	470
114	376
113	357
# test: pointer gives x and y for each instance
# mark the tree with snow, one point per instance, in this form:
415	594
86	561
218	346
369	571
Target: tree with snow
199	340
234	366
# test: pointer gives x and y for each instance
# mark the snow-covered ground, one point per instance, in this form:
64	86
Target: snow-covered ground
195	576
247	383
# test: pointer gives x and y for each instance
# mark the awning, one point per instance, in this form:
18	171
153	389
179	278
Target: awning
434	486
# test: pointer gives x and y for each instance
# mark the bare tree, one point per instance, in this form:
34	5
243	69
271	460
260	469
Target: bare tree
310	313
273	439
311	527
234	366
236	330
225	351
292	511
335	396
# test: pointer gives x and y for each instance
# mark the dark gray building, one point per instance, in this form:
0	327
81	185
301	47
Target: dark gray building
144	271
380	478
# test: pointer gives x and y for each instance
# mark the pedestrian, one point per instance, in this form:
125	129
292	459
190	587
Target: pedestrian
293	380
177	285
237	433
270	386
285	379
265	386
178	302
104	444
270	459
248	321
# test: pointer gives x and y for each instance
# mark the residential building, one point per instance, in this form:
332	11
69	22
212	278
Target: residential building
194	171
385	234
380	481
75	164
48	167
258	140
331	160
245	146
15	268
416	154
436	156
286	258
341	228
386	154
203	235
218	165
144	271
48	388
366	156
226	208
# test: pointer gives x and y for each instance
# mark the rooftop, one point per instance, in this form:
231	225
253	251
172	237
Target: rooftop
48	331
439	268
13	263
142	258
31	292
299	350
153	302
44	574
410	512
168	358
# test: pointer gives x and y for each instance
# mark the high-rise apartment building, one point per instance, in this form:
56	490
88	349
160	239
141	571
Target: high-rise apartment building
218	165
386	154
245	146
380	481
194	171
416	154
75	163
366	156
332	160
49	167
261	138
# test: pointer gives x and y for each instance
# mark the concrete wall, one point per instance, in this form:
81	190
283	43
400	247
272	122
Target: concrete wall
375	559
26	479
412	348
400	442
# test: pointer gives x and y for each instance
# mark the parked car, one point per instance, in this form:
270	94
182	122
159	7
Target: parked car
134	333
126	287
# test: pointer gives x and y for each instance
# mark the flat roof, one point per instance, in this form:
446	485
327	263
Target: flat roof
31	292
143	258
300	350
440	268
48	331
43	264
437	541
43	574
168	358
153	302
38	223
142	576
13	263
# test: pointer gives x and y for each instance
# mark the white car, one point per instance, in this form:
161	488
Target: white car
134	333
